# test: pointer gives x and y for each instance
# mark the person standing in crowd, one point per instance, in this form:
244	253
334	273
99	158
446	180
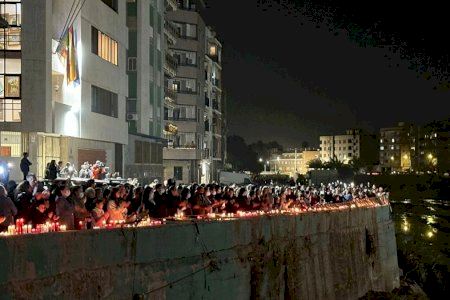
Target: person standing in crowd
65	208
59	167
99	216
52	170
7	209
25	165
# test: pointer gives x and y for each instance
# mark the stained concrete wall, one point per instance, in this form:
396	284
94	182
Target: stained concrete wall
339	255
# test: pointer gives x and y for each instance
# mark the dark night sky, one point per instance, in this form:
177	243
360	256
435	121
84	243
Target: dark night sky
288	80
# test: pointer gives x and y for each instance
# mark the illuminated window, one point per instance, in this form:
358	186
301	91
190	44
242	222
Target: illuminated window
10	62
393	140
10	110
104	46
213	50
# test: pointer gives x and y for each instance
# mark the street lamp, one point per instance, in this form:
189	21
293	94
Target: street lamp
260	160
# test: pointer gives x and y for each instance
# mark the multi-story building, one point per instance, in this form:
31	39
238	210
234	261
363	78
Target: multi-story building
146	69
398	148
63	82
193	155
214	136
293	163
434	147
341	147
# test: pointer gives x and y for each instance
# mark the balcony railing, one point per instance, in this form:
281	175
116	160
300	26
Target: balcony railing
173	4
170	65
215	104
182	119
214	58
215	82
171	29
170	95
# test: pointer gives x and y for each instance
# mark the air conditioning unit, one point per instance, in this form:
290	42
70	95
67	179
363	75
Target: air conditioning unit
132	117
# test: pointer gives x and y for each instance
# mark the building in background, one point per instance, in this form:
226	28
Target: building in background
399	148
343	147
146	97
212	161
194	151
63	82
434	147
293	163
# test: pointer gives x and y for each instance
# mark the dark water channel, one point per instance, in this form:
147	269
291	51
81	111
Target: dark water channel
423	234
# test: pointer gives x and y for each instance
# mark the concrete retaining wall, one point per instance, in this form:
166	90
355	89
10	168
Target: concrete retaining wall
324	255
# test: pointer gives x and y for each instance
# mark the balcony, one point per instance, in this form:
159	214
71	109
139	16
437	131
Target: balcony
171	31
170	96
207	126
181	119
215	82
170	66
215	105
181	153
170	129
214	57
207	102
171	5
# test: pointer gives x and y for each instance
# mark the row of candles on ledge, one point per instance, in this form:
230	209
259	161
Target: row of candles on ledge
21	228
328	207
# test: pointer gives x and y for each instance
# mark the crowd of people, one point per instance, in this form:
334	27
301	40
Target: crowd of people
96	204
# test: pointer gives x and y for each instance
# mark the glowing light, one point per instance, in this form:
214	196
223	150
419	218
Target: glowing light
10	165
430	234
2	170
392	158
260	160
430	156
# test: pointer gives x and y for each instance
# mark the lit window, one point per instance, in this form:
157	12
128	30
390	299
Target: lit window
393	140
104	46
10	110
213	50
381	147
392	147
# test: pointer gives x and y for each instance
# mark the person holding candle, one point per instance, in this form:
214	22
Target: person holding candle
7	210
99	216
39	214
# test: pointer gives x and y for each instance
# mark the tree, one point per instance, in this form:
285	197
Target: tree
240	156
315	164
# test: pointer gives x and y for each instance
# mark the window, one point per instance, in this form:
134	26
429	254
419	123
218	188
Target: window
184	112
132	64
185	85
381	148
186	140
147	153
393	140
185	58
10	110
12	13
349	155
213	50
112	4
187	31
178	173
152	16
104	102
349	147
104	46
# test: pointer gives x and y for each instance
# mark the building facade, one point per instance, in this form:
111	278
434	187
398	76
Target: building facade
293	163
341	147
399	147
212	161
64	82
145	102
194	150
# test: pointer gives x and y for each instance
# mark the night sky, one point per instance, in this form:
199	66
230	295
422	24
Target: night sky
294	70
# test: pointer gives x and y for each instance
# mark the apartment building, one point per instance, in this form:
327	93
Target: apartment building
398	147
343	147
213	158
63	82
146	96
184	153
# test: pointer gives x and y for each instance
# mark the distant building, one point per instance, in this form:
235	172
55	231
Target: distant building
343	147
399	148
293	163
434	146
